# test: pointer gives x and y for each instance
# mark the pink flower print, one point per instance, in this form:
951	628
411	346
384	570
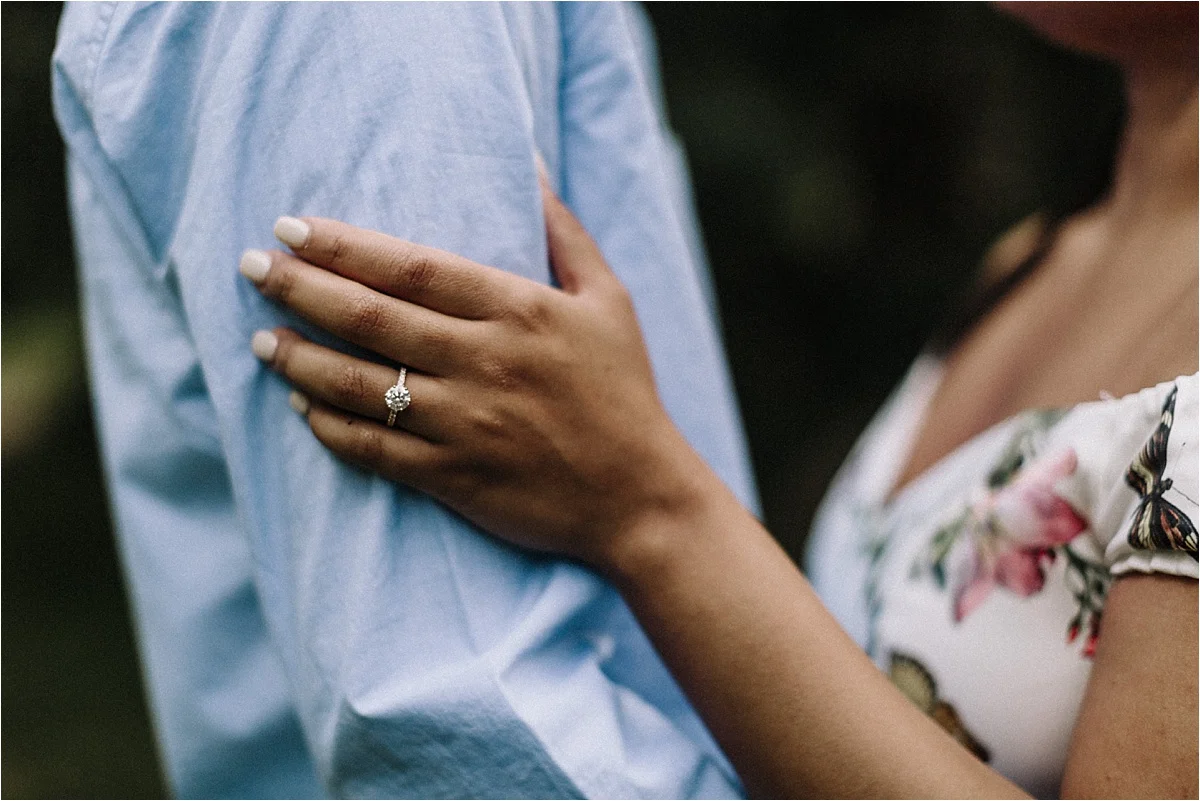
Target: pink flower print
1014	529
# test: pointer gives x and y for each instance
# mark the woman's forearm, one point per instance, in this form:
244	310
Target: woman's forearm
794	702
534	414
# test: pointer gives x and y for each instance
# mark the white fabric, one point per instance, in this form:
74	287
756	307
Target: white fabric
990	649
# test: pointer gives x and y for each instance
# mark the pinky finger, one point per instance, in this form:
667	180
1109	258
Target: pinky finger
393	453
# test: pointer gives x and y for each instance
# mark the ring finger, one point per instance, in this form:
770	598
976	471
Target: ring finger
348	383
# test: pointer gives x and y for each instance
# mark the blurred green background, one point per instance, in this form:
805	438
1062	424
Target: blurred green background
851	163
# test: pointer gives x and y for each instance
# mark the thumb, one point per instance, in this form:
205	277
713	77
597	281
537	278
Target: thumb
575	259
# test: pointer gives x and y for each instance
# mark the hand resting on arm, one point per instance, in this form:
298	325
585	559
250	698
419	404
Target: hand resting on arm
534	414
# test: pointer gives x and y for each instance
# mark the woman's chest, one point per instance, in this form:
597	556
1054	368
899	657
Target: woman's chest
979	587
987	620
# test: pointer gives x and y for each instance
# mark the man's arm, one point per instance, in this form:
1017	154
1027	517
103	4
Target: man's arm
421	658
223	709
221	702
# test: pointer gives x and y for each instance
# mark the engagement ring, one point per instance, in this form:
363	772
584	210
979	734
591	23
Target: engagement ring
397	397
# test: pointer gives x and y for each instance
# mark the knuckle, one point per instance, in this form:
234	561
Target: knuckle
413	273
337	250
350	386
487	423
366	316
533	311
499	374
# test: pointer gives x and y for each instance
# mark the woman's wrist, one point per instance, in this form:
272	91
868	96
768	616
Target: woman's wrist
664	529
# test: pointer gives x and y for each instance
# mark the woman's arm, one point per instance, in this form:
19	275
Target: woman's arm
1136	736
534	414
796	704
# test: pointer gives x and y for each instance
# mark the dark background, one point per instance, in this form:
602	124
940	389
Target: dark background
851	164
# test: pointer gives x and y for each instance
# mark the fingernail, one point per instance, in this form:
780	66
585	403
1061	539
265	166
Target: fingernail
299	403
255	265
264	344
291	232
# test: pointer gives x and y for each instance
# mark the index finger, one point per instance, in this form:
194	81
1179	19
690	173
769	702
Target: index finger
435	279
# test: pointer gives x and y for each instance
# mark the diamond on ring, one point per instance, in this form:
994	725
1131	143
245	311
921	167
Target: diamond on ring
397	397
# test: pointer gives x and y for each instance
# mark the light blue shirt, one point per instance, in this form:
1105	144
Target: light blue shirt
306	628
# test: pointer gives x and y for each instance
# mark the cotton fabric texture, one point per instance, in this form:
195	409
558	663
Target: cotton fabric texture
307	629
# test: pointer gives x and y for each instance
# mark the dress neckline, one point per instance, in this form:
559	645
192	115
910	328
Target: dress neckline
913	400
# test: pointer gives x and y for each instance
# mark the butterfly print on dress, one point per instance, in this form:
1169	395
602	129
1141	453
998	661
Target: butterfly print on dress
914	680
1157	523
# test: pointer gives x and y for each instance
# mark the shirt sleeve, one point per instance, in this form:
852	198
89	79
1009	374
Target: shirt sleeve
1156	496
335	630
221	704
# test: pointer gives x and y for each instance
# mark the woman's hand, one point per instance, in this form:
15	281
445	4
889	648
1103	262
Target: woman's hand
533	413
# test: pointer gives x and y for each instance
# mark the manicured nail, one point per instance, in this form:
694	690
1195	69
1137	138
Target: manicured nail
299	403
255	265
264	344
291	232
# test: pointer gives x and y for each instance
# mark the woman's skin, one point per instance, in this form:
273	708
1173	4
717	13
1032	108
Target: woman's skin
535	415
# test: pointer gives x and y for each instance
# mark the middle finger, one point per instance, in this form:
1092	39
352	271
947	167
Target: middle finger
401	331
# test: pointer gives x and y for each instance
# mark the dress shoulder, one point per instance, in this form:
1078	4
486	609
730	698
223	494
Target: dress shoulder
1141	484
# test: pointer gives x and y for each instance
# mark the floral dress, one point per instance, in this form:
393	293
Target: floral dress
980	586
